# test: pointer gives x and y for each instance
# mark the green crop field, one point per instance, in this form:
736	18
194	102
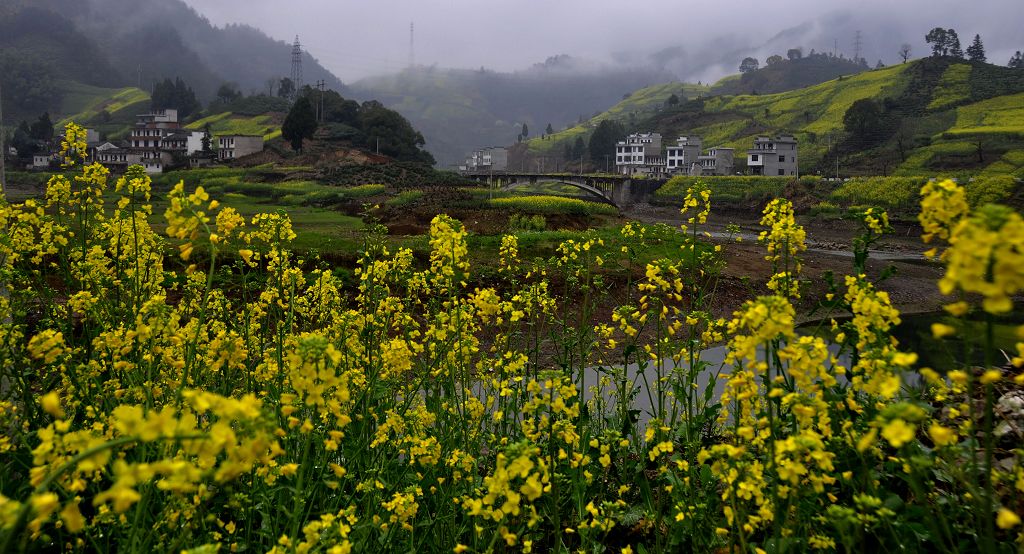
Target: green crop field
953	88
267	125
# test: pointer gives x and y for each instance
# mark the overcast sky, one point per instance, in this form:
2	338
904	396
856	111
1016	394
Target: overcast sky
356	38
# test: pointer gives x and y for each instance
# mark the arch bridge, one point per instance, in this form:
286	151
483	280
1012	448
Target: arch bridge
617	190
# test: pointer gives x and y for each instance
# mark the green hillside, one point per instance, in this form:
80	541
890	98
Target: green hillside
936	115
111	111
635	107
268	125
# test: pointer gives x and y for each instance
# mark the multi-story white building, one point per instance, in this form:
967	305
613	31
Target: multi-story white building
145	144
231	147
684	158
640	154
183	142
773	156
492	158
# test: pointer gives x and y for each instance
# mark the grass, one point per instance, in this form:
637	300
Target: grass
405	198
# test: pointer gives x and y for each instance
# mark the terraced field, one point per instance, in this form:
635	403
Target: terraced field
268	125
942	117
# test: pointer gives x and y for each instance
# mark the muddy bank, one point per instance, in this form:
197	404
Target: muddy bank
913	287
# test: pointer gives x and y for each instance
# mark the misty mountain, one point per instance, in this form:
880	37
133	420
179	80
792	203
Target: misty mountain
835	32
458	110
149	40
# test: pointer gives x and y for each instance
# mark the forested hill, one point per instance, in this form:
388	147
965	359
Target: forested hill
45	44
924	117
458	110
780	74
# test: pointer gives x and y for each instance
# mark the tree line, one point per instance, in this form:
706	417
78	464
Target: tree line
369	125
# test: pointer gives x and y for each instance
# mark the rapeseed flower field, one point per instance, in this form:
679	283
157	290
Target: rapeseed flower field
250	402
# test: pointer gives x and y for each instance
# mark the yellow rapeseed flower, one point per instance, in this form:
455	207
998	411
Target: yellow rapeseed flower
1007	519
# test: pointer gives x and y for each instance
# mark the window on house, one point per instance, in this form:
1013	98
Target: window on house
782	172
782	159
753	157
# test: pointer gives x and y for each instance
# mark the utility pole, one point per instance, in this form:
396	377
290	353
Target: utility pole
836	154
321	85
412	45
606	163
378	145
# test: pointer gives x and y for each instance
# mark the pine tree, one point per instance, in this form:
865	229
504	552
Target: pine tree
526	131
602	141
548	130
299	124
954	45
1016	61
42	128
976	51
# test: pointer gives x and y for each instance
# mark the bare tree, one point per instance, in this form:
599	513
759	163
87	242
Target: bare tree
905	51
271	84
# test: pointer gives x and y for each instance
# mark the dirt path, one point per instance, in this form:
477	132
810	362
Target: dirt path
913	288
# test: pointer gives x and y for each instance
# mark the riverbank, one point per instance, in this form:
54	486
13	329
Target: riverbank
829	249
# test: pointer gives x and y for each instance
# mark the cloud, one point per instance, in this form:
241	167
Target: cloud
693	39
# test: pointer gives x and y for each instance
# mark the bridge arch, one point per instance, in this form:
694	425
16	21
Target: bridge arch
596	192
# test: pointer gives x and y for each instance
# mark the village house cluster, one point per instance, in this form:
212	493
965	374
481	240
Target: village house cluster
158	141
643	154
492	158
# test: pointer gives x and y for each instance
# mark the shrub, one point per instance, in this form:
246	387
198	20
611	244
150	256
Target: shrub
405	198
521	222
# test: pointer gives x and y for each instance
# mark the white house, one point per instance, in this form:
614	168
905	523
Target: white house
774	156
41	161
230	147
640	154
492	158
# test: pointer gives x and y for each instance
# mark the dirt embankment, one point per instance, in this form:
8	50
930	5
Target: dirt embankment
913	287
